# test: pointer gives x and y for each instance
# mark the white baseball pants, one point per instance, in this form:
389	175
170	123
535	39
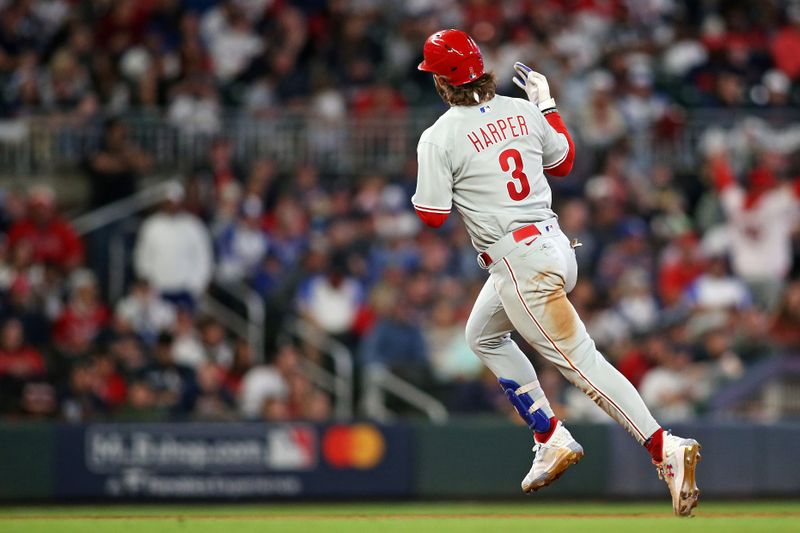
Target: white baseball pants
527	291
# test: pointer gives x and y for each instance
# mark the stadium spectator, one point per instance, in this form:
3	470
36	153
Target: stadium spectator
397	342
716	289
242	246
450	356
145	312
331	301
20	363
194	107
761	219
173	252
221	169
115	169
52	239
175	385
83	317
631	251
305	401
778	86
214	340
21	303
669	389
680	264
785	327
142	403
18	359
602	121
718	362
265	388
785	45
213	402
187	348
110	385
641	358
243	361
80	402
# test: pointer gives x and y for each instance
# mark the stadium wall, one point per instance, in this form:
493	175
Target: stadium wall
463	459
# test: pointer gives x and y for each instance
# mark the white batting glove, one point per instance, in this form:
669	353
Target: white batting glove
535	86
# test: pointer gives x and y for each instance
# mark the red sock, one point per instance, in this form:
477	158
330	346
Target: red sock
543	437
655	445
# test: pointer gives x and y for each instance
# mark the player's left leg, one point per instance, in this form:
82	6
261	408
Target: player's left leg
489	335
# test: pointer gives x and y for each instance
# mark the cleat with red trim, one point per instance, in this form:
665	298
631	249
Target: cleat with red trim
678	472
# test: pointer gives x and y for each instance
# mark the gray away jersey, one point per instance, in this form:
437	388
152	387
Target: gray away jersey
489	161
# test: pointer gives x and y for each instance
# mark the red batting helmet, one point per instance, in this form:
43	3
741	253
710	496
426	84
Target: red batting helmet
453	55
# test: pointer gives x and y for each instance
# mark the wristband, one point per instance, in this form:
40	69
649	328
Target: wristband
546	105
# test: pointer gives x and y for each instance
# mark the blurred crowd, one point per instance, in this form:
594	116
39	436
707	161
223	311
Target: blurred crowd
683	285
687	278
194	58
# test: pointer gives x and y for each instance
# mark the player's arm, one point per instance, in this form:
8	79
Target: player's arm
433	198
558	150
563	165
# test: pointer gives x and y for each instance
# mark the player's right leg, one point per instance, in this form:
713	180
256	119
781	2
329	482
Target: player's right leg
489	336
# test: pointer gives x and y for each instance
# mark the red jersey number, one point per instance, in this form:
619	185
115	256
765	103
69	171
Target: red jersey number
520	189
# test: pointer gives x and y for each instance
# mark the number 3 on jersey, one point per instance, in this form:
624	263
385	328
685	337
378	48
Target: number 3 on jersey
517	191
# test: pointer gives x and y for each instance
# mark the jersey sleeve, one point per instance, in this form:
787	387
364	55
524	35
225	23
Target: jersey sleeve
434	192
555	146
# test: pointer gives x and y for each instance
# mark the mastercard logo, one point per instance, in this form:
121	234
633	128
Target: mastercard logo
359	446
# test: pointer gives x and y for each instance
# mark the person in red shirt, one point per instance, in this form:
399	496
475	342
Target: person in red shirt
635	363
785	45
681	264
53	239
18	361
110	385
83	317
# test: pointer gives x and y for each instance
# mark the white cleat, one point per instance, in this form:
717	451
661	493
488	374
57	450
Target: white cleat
678	472
552	459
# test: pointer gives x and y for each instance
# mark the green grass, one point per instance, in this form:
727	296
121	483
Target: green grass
532	515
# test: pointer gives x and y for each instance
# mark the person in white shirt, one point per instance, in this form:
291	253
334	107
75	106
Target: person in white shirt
331	301
761	219
145	311
669	390
173	252
263	383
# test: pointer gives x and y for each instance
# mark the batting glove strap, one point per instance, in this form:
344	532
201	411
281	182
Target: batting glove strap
548	106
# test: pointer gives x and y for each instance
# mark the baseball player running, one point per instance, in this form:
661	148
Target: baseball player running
487	156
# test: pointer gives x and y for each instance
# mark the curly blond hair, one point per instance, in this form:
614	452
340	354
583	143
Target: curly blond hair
470	94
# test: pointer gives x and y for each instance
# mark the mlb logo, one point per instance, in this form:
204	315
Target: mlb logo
485	109
548	228
292	447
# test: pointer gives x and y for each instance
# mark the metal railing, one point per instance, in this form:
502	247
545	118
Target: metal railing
122	209
769	390
40	144
354	144
378	381
339	382
253	303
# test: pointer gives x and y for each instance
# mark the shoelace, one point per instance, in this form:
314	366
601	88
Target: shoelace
660	471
